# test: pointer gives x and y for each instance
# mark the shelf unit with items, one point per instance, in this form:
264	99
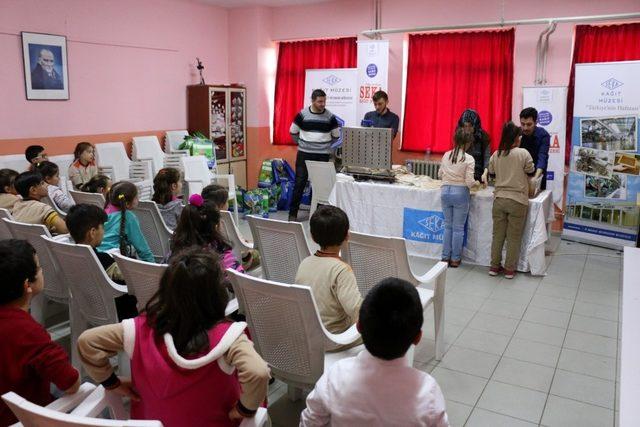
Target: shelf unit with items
219	112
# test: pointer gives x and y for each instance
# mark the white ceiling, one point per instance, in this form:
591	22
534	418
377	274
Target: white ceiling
271	3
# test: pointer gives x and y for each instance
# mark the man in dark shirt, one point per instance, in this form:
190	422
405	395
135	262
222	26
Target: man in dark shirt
382	117
535	140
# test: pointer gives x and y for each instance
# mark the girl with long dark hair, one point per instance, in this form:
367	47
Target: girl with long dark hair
510	165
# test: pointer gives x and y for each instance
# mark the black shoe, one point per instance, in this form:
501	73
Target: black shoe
293	218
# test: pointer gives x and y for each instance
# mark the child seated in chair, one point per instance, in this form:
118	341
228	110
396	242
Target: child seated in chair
30	209
98	184
51	175
191	366
30	361
378	387
332	281
84	165
8	194
86	226
34	155
122	230
199	225
220	196
167	189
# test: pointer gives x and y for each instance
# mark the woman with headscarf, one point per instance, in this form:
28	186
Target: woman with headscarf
480	150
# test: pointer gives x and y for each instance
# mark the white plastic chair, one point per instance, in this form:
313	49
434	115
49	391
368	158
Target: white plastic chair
89	403
143	280
230	231
173	139
287	331
374	258
48	201
282	245
80	197
197	175
84	407
55	288
17	162
154	229
148	148
92	291
323	177
5	232
115	163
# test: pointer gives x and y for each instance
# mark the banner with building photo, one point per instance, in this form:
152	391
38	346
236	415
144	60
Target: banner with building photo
340	86
373	72
551	103
603	194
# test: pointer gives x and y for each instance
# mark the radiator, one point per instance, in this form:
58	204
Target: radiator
424	167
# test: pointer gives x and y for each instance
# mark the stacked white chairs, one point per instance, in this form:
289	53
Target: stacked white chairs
17	162
92	291
173	139
5	232
80	197
197	175
287	331
84	408
282	246
55	288
114	162
148	148
374	258
323	178
154	229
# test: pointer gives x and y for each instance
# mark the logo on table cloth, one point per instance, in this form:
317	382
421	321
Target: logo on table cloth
423	226
332	80
612	84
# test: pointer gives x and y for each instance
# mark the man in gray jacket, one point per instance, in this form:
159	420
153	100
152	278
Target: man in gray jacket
314	129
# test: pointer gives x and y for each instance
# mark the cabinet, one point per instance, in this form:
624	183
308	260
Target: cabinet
219	112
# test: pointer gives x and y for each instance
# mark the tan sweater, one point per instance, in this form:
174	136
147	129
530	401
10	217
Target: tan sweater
511	174
7	200
80	174
35	212
459	173
334	288
97	345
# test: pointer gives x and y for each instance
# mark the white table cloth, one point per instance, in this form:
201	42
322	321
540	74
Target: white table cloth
416	214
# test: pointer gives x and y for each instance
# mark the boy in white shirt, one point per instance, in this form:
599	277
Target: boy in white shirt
378	387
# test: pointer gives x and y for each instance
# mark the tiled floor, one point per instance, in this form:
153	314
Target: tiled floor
533	351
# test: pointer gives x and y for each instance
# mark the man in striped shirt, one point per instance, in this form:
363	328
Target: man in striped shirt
314	129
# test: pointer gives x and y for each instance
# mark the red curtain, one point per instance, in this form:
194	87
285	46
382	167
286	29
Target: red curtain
450	72
293	59
600	44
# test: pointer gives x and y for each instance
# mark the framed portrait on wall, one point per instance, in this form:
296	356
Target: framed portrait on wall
46	74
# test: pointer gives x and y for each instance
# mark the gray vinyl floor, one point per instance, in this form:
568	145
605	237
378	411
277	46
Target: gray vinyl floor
533	351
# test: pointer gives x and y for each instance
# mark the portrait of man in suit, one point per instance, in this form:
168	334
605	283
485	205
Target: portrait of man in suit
44	74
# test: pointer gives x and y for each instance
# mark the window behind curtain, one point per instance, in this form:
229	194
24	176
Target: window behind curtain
594	43
293	59
450	72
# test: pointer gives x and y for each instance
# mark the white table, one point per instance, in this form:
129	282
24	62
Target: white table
630	345
390	210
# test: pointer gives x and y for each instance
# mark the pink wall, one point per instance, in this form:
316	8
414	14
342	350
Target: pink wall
129	64
350	17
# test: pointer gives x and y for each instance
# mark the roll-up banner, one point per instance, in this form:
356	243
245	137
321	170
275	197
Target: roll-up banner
604	180
551	103
340	86
373	72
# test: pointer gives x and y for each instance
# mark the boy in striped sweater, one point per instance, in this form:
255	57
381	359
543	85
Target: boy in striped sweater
314	130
